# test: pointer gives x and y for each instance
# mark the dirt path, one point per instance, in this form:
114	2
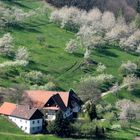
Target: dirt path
110	91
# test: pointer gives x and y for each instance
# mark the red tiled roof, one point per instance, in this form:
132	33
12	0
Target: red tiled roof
20	111
7	108
41	97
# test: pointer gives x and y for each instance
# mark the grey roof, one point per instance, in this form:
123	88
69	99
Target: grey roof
25	112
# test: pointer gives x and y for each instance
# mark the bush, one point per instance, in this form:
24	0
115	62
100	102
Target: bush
60	127
6	44
128	68
34	77
41	39
22	54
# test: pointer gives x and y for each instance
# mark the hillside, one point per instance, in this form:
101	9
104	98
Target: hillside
51	63
53	60
127	7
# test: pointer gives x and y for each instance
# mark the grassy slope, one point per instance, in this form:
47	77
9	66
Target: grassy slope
9	131
53	59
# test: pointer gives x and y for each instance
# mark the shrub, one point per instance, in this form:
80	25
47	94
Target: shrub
101	68
128	68
22	54
6	44
13	63
71	46
34	77
41	39
60	126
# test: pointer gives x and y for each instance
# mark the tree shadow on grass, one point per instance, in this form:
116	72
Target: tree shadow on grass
25	28
51	47
106	52
36	24
39	67
80	55
16	3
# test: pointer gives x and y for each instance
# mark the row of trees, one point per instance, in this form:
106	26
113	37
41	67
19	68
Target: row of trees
13	16
127	7
129	111
20	56
70	128
96	29
7	48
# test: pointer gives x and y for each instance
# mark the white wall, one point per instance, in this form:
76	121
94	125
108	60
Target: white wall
28	126
51	117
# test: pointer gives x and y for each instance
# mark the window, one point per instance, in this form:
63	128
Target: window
25	128
38	127
38	121
25	121
33	128
20	120
33	122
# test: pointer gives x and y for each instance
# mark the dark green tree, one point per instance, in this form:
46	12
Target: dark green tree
92	112
138	6
99	132
61	126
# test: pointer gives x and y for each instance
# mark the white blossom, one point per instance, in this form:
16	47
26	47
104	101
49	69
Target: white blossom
100	78
13	15
131	81
34	76
13	63
117	32
128	67
22	54
132	42
126	105
101	68
87	53
93	17
108	20
48	86
71	46
6	44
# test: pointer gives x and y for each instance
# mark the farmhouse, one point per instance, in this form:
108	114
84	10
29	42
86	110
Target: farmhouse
30	120
42	104
51	101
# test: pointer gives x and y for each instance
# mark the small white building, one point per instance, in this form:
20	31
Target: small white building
30	120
